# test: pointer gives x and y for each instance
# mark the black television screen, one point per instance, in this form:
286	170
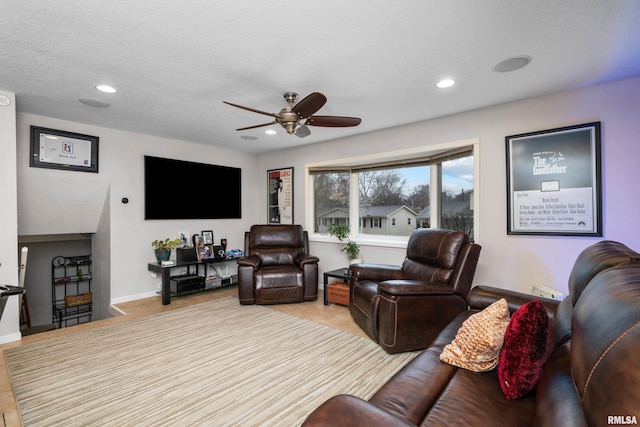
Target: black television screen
176	189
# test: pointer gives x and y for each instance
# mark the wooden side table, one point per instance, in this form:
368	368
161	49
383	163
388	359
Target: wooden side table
342	273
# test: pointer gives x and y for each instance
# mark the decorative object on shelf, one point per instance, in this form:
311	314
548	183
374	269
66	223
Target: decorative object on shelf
57	149
351	248
163	248
280	196
554	182
223	243
207	236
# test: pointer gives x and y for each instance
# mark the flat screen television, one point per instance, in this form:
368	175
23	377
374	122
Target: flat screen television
177	189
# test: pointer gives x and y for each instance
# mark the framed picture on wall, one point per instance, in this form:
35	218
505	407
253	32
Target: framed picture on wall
280	196
554	182
57	149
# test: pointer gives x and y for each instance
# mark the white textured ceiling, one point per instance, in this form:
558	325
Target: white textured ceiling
174	62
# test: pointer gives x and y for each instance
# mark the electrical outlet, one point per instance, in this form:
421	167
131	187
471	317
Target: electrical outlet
545	292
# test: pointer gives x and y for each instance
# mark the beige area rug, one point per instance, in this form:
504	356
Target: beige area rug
212	364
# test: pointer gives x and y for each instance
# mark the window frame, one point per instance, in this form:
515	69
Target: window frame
399	157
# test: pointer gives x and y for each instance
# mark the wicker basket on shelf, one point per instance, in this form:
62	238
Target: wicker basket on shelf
73	300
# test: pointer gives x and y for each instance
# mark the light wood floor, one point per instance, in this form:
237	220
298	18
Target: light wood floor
333	315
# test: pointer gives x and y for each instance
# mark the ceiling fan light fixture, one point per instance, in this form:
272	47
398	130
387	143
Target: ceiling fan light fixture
445	83
295	118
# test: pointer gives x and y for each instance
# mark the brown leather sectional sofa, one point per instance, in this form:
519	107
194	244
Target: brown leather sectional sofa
591	378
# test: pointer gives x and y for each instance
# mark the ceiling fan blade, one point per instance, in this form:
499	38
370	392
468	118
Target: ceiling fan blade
303	131
252	109
309	105
259	126
333	121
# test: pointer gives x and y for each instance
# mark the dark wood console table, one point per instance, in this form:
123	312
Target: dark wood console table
165	272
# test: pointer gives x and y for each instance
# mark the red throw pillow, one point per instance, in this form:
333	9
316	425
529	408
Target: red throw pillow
528	343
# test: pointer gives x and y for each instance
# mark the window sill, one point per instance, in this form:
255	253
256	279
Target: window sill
365	240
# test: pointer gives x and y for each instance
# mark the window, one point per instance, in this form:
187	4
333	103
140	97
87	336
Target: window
331	192
428	191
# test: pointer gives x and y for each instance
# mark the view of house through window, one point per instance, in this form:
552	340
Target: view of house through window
456	197
331	200
394	201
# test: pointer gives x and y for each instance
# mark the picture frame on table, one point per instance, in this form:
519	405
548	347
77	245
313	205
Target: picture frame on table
58	149
204	252
207	236
554	184
280	196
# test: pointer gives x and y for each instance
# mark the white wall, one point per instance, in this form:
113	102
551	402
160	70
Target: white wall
514	262
52	201
9	324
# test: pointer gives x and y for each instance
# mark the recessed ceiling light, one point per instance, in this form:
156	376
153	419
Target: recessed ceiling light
270	132
445	83
106	89
249	137
512	64
93	102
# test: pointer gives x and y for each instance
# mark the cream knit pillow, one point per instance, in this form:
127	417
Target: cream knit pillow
478	342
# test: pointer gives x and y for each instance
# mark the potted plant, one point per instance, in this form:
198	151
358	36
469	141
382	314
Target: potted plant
163	248
350	248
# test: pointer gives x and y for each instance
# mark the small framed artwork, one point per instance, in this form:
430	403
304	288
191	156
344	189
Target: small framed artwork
554	182
57	149
280	196
207	236
204	252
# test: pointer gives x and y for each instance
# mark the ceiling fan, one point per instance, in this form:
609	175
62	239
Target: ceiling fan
296	117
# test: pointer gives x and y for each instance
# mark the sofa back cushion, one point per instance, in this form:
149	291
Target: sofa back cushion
594	259
276	244
432	254
605	345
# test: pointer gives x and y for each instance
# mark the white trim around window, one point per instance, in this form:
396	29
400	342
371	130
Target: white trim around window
391	156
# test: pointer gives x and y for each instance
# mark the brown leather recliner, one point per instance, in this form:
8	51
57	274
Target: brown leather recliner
277	267
403	308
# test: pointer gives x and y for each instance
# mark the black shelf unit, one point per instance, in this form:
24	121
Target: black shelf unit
71	290
196	277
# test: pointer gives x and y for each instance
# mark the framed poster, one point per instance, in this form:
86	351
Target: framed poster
57	149
553	182
280	196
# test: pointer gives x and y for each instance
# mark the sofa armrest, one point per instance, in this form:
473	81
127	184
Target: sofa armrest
304	259
414	288
249	261
376	272
347	410
481	297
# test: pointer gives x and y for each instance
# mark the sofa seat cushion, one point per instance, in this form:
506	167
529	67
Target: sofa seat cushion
475	399
278	276
413	390
430	392
279	284
557	400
